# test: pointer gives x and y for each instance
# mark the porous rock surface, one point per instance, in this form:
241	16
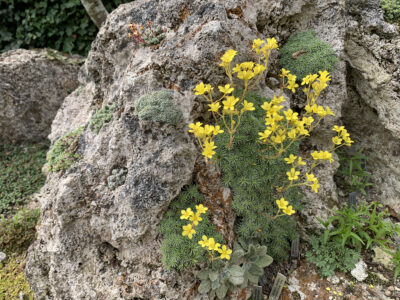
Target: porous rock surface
32	89
97	243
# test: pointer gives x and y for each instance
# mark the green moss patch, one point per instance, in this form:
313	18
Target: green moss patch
63	153
305	53
12	279
20	173
101	117
158	107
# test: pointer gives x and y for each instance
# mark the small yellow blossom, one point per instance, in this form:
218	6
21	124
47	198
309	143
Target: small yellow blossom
264	135
328	289
204	242
208	150
288	210
228	57
300	162
188	231
225	252
186	213
229	103
289	160
227	89
247	106
284	72
217	130
212	245
200	89
195	218
337	140
293	174
282	203
214	107
201	209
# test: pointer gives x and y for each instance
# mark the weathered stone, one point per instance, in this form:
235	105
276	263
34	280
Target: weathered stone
33	85
360	271
3	256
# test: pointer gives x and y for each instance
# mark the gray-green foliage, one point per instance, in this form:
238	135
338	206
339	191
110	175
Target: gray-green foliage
155	37
180	252
63	153
243	269
117	178
331	257
101	117
319	55
158	107
254	180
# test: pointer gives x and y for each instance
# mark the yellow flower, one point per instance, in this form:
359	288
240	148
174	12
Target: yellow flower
200	89
229	103
324	76
217	130
338	129
257	44
247	65
272	44
188	231
328	289
308	108
337	140
290	115
308	120
326	155
201	209
203	243
247	106
288	210
311	178
348	141
266	106
316	155
278	100
284	72
245	75
310	78
195	128
300	162
278	139
186	213
292	85
293	174
282	203
195	218
289	160
264	135
208	149
315	186
227	89
258	69
212	245
225	252
228	57
321	112
214	107
328	111
292	134
208	130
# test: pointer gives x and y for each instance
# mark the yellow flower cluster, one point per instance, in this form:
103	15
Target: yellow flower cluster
287	125
211	245
189	231
228	107
205	135
195	218
283	205
343	137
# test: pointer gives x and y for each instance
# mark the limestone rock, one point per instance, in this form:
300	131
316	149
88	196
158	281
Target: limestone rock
3	256
33	85
360	271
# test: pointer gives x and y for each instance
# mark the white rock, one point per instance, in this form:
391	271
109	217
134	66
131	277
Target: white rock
360	271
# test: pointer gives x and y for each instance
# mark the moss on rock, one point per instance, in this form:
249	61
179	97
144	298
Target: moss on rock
63	153
158	107
305	53
101	117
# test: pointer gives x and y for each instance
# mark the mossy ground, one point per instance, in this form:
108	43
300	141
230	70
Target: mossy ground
20	173
20	177
12	279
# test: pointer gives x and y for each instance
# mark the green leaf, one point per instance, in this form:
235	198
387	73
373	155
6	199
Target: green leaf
236	280
221	291
264	261
213	275
204	287
203	274
236	270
